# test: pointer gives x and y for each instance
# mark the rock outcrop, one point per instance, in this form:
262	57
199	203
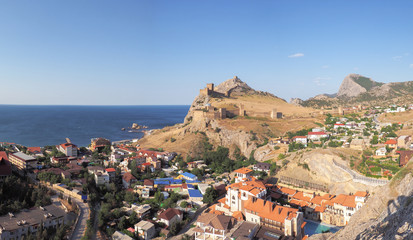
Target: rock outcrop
349	87
296	101
233	86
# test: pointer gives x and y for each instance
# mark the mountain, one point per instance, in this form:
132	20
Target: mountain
357	89
232	115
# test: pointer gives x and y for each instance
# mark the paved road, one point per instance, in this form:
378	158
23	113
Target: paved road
80	228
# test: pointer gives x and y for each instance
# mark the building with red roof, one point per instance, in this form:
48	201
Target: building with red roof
69	149
391	143
5	165
128	179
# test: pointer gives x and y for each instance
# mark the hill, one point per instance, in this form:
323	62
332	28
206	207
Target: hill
357	89
232	115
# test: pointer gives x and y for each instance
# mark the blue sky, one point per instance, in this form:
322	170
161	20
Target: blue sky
163	52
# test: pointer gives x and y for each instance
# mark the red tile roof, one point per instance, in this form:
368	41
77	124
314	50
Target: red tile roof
361	194
169	213
391	142
128	177
317	133
110	170
243	170
270	210
34	149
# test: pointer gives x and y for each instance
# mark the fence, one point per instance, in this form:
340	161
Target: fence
360	178
303	184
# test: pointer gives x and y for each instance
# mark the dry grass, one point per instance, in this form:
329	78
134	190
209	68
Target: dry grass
403	117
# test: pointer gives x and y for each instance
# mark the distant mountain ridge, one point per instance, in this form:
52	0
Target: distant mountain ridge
358	89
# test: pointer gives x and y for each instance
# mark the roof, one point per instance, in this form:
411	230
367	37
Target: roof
148	182
32	217
301	196
220	222
170	213
128	177
243	170
244	230
34	149
144	225
120	236
391	141
287	191
405	156
5	165
66	145
361	194
317	133
110	170
189	175
270	210
345	200
194	193
300	137
23	156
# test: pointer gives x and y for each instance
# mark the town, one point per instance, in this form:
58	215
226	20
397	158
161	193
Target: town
117	190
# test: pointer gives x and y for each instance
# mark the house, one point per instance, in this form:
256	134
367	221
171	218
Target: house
288	220
69	149
195	196
242	174
140	210
316	136
22	161
238	193
34	150
148	183
391	143
300	139
339	125
403	141
62	160
128	179
120	236
246	231
405	156
211	226
112	174
101	178
99	144
357	144
381	151
5	166
145	230
188	176
262	167
24	223
170	216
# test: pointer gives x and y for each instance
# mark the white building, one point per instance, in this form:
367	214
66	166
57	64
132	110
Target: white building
381	151
242	174
101	178
300	139
69	149
145	230
316	136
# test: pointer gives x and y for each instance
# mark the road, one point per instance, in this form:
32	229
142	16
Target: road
187	228
80	227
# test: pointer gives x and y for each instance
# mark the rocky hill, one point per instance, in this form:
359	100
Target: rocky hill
357	89
232	115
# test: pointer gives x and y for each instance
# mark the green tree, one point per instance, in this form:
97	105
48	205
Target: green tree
210	195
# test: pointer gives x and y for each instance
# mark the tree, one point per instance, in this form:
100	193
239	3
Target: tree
375	140
210	195
184	204
175	228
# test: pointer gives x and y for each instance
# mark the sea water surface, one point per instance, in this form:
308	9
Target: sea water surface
49	125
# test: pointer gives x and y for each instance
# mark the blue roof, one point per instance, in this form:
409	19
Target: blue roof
195	181
164	179
190	186
189	175
161	182
176	181
194	193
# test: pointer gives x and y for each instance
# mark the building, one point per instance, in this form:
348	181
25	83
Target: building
141	210
24	223
99	144
145	230
22	161
403	141
381	151
120	236
5	166
62	160
288	220
262	167
69	149
112	174
102	178
405	156
238	193
170	216
242	174
34	150
195	196
211	226
391	143
128	179
188	176
316	136
300	139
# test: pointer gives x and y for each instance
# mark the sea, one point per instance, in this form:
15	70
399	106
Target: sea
38	126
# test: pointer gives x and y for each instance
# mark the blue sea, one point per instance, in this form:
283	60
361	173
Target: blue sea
37	126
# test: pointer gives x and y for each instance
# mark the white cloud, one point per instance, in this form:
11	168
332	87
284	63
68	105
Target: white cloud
320	81
297	55
325	66
411	65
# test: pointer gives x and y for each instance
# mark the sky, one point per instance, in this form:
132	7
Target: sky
133	52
